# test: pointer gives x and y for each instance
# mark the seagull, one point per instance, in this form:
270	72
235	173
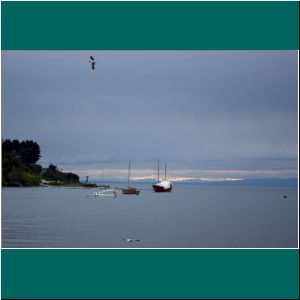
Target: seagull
131	240
93	62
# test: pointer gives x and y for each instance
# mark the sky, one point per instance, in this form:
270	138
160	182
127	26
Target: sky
210	115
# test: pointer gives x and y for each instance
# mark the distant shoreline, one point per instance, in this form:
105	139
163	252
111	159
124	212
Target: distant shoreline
290	182
266	182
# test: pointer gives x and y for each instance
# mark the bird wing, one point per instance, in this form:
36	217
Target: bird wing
93	65
92	58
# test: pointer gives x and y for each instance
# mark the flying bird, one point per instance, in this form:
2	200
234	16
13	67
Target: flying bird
93	62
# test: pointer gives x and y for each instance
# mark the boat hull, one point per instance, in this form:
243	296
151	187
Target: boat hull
161	189
130	191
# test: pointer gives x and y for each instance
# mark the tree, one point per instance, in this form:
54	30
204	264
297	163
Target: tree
52	167
27	151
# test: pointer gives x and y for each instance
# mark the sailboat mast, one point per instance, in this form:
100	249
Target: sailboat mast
129	172
165	172
158	171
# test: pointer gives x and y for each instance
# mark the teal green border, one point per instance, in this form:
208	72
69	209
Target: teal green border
150	25
149	274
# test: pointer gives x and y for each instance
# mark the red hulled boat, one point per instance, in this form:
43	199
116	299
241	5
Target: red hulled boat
162	186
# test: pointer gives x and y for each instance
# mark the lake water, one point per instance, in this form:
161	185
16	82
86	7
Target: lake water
189	217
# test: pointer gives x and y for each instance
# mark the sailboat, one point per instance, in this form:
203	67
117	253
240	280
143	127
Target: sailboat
162	186
130	190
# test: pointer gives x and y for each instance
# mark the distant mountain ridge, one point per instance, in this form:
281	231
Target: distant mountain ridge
279	182
292	182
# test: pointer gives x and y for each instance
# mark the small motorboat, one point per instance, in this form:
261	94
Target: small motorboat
106	193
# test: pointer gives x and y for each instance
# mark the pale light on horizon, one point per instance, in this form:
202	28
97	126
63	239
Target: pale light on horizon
180	175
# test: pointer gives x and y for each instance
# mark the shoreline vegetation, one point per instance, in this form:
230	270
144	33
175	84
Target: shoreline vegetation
20	168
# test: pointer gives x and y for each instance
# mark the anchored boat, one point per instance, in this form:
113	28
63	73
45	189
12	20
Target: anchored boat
107	192
130	190
162	186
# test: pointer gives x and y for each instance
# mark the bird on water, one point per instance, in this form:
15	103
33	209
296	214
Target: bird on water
131	240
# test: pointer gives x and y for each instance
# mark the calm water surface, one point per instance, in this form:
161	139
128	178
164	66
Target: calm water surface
188	217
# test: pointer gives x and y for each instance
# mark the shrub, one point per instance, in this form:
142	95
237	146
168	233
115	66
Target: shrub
27	179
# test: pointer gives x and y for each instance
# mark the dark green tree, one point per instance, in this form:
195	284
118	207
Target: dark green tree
52	167
27	151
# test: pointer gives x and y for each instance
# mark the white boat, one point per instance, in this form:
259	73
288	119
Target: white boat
106	193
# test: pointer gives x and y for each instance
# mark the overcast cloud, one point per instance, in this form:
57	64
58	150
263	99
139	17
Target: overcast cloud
202	112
